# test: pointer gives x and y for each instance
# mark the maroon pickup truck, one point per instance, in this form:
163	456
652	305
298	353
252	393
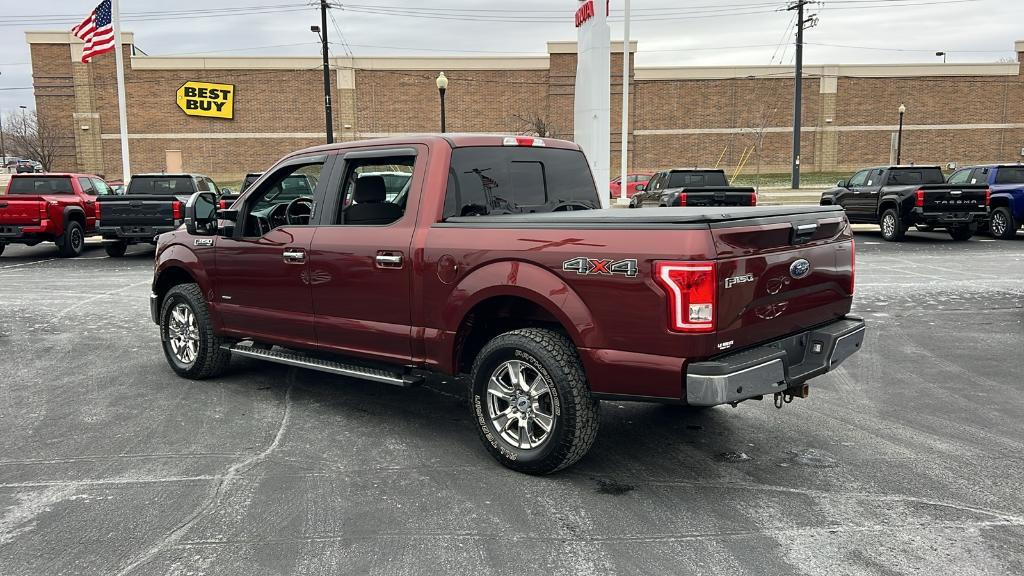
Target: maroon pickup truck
493	261
59	208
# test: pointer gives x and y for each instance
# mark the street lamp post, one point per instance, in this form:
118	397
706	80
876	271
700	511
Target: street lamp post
442	86
899	135
943	54
3	147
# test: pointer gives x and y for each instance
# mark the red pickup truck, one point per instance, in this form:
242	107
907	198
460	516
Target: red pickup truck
51	207
492	261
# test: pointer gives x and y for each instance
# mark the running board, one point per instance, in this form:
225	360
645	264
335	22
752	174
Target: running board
303	361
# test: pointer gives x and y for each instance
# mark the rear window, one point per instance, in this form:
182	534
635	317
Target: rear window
176	185
1010	176
515	180
911	176
40	185
697	179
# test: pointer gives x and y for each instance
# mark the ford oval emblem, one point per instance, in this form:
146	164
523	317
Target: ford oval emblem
800	269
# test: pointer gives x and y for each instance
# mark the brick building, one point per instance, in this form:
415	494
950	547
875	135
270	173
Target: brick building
680	116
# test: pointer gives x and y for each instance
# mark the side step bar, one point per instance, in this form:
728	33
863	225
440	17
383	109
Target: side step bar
303	361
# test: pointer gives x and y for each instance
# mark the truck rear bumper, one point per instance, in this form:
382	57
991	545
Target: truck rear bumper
23	234
948	218
134	233
774	367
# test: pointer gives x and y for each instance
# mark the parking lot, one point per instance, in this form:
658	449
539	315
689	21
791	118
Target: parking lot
905	460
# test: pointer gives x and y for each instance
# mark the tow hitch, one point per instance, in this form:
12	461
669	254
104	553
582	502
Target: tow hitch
786	396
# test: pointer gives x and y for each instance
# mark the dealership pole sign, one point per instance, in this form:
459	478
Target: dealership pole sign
207	99
592	105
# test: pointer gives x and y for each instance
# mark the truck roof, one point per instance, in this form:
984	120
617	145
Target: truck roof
55	175
453	140
695	170
172	175
903	166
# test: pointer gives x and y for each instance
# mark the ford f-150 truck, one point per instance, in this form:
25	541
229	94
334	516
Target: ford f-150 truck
1006	182
695	187
52	207
492	261
151	205
897	197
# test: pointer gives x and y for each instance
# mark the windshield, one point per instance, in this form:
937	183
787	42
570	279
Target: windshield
1010	175
515	180
912	176
697	179
40	185
176	185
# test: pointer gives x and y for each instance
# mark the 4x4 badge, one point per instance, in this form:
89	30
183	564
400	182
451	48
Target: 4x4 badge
583	266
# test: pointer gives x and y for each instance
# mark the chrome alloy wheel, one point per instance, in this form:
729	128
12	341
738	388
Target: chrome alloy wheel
999	224
183	334
889	225
520	404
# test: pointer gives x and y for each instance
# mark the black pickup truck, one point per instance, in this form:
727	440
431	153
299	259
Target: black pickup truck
898	197
151	205
694	187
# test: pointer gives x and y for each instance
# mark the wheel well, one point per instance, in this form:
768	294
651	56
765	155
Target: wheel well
77	216
887	205
168	279
495	316
1000	203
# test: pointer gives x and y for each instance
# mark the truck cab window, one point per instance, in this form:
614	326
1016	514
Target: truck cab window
859	178
87	187
960	177
286	198
375	191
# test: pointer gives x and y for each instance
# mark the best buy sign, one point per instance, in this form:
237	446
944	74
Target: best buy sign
207	99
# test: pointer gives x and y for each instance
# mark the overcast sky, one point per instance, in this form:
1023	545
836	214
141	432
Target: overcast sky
670	32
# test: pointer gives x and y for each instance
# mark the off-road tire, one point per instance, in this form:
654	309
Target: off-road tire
893	228
961	233
211	360
116	249
72	241
577	412
1002	225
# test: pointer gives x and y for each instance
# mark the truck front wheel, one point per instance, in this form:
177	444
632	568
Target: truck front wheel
531	402
893	229
186	332
72	241
116	249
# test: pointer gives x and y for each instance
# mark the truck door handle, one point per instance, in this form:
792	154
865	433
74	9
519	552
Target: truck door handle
294	256
389	260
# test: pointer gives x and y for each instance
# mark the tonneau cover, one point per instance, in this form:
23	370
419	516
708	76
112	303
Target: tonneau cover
647	216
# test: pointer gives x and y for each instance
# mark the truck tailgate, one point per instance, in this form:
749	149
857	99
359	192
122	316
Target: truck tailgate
954	198
777	276
21	210
724	196
139	210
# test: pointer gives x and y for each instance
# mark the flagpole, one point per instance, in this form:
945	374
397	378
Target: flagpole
126	171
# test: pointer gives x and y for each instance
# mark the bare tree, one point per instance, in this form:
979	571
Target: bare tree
534	124
29	139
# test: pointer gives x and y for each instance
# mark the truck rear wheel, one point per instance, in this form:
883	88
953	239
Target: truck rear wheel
531	402
186	332
893	229
1002	225
961	233
72	241
116	249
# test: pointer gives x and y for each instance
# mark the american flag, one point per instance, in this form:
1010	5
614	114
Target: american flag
98	32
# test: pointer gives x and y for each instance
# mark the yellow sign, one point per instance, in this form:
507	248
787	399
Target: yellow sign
207	99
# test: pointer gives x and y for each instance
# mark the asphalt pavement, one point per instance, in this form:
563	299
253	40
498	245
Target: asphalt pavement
906	460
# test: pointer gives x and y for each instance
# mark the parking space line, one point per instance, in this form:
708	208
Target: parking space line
27	263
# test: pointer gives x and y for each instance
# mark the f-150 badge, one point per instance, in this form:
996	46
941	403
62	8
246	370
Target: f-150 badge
585	266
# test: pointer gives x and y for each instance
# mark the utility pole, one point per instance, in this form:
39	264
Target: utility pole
327	72
798	79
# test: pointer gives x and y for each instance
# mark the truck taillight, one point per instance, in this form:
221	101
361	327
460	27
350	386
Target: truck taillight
988	197
522	141
753	198
97	210
682	199
176	209
43	214
919	199
223	204
692	289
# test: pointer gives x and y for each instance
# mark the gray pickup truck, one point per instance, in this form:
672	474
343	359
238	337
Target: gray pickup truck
151	205
692	187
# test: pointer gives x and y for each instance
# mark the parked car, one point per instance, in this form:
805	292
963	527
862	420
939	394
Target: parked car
496	264
151	205
54	207
898	197
634	183
693	187
28	167
1006	181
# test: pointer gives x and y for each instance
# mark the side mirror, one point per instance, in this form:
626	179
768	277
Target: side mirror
641	187
841	184
201	214
226	191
